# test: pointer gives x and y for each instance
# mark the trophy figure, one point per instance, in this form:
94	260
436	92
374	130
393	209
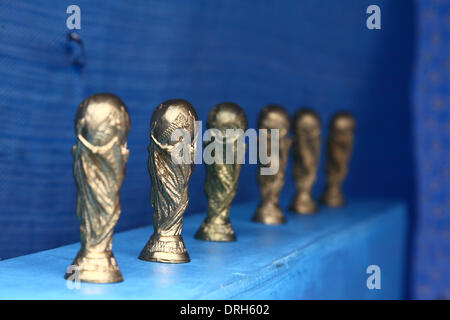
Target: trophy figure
269	211
102	124
221	176
339	149
170	179
306	159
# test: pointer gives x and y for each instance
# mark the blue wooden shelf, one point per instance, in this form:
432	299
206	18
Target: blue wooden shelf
322	256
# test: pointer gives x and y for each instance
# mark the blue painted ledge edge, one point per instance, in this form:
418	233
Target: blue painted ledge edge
322	256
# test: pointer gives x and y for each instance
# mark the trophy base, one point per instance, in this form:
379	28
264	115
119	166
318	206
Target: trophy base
165	249
333	200
269	214
220	232
304	204
94	267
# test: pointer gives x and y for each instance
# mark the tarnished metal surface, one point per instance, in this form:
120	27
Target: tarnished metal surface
102	124
339	149
222	178
269	211
307	131
169	194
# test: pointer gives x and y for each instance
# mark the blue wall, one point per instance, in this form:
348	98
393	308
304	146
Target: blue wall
432	150
314	52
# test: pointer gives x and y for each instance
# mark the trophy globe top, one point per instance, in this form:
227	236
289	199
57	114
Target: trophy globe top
275	117
102	117
227	115
307	121
172	115
343	121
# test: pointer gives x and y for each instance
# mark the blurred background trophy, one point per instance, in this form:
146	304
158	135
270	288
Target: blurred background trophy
339	149
101	125
170	178
306	159
222	174
270	185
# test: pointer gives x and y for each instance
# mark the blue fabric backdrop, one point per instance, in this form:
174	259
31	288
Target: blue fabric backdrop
313	52
432	149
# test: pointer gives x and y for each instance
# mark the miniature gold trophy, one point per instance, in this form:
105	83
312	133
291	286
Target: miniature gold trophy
306	159
169	179
102	124
339	149
221	176
269	211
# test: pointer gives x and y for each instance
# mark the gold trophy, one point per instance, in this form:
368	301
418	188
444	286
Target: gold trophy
306	159
221	175
170	179
102	124
269	211
339	149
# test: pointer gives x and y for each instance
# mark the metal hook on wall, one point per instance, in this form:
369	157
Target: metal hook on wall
75	47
